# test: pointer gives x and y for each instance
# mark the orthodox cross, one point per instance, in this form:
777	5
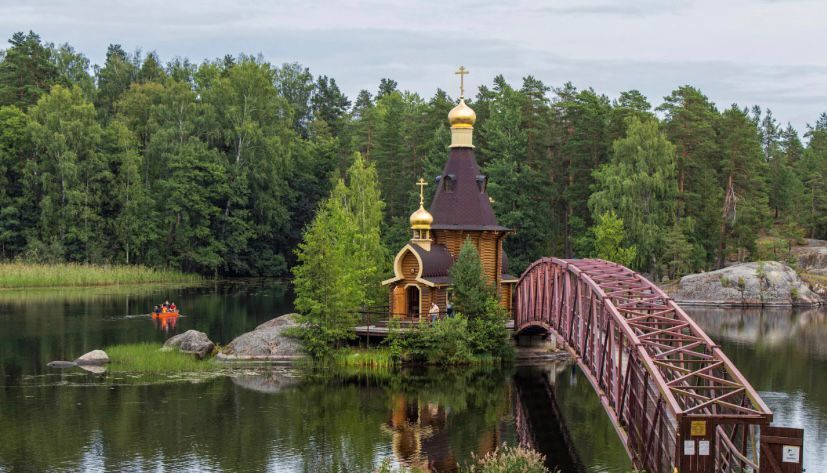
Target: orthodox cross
461	72
421	183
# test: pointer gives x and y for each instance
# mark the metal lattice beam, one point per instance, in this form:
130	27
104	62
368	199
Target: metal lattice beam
663	382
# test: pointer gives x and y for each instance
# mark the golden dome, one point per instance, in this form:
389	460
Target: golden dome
421	219
462	116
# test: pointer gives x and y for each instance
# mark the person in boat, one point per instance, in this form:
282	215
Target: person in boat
166	306
156	310
172	307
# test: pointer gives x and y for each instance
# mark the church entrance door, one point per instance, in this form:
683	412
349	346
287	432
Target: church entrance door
413	302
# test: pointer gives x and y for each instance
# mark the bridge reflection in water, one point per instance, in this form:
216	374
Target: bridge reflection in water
676	401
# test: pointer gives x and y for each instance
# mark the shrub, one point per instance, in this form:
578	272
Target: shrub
508	460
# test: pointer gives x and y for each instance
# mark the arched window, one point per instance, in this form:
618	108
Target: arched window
482	183
449	183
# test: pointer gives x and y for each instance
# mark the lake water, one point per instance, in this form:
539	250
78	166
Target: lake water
283	419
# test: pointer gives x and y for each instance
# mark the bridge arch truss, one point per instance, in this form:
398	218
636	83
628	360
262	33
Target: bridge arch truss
673	396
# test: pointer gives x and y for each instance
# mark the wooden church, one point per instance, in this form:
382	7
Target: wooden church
460	210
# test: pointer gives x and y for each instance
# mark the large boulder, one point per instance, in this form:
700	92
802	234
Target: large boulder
191	341
94	357
767	283
268	342
812	257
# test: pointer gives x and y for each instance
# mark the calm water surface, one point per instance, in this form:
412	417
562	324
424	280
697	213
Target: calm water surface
283	419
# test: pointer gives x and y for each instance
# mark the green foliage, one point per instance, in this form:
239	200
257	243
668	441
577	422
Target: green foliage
608	237
453	341
329	279
640	186
362	199
471	290
99	167
26	72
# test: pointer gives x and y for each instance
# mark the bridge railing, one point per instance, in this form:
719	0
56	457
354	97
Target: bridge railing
673	396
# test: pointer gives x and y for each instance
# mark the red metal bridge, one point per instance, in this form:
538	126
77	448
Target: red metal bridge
675	399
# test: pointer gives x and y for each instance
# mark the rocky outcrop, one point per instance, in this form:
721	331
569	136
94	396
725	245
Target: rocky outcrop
94	357
191	341
766	283
812	257
268	342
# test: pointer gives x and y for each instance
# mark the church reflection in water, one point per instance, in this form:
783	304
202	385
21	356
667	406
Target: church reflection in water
421	438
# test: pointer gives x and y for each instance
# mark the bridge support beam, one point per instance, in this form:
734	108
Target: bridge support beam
676	400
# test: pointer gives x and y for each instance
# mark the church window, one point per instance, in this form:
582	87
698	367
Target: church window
450	183
482	183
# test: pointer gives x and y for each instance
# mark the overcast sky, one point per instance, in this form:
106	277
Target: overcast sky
763	52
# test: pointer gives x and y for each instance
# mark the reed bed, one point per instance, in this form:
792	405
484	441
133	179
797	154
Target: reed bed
364	358
20	275
147	358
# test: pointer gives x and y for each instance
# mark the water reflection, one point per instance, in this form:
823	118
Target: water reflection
783	353
166	323
41	325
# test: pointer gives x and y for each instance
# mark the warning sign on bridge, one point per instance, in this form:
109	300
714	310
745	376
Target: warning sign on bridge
698	428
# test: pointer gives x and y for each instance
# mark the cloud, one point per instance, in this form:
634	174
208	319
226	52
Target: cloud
745	51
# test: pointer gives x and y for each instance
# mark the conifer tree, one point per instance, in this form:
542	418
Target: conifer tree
329	279
26	72
471	290
743	170
691	124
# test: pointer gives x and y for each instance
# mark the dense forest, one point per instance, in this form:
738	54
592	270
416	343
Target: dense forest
218	167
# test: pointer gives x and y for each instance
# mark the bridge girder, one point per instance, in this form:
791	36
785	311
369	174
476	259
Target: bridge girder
663	382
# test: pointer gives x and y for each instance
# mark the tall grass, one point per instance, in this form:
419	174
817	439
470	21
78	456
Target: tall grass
147	358
18	275
364	358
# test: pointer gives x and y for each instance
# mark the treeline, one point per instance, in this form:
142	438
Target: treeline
219	167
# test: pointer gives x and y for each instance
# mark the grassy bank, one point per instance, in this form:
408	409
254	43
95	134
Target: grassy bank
19	275
147	358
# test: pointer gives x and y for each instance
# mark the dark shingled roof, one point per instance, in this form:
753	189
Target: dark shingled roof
435	262
464	208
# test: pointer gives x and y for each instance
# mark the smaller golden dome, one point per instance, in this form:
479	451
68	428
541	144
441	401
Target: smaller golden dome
462	116
421	219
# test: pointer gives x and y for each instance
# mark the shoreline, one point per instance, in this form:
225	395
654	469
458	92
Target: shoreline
29	276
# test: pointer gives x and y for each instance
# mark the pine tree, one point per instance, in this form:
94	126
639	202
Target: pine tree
691	124
812	169
26	72
472	292
515	183
743	170
329	279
